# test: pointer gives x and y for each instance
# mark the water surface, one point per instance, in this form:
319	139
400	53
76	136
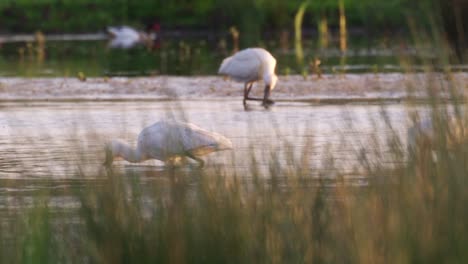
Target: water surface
49	140
195	56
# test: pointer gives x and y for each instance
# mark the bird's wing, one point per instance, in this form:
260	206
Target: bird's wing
244	66
130	33
121	43
124	32
159	141
200	142
123	37
166	139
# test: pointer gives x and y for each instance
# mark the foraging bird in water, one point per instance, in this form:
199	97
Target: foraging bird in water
168	141
251	65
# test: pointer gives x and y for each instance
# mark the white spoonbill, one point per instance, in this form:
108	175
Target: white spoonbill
251	65
167	141
125	37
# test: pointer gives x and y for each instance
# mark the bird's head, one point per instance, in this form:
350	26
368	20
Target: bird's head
271	80
151	35
274	79
109	155
153	29
112	150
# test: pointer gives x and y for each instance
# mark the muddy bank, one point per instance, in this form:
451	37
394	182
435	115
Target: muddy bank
358	87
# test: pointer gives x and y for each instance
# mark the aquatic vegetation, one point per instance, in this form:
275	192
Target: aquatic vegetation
392	206
411	211
298	33
280	208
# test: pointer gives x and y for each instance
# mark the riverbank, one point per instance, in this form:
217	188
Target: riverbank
331	88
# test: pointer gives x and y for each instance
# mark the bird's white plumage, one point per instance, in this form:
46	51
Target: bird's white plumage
250	65
123	37
243	67
166	140
124	32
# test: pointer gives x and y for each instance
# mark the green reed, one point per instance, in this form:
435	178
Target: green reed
411	212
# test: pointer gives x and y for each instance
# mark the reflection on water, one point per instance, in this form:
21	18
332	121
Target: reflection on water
193	56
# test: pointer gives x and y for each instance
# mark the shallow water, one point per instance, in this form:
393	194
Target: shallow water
51	140
57	147
91	55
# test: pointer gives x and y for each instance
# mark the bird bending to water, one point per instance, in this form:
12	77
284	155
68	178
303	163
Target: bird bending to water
168	141
251	65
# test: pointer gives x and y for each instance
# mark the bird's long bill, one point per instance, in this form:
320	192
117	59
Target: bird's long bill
266	94
109	157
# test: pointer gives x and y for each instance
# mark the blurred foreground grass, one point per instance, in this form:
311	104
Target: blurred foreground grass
413	212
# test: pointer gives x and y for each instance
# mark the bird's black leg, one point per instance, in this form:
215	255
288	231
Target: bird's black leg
200	161
267	102
247	88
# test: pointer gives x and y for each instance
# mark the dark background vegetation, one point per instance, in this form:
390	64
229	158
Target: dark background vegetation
92	15
409	210
254	19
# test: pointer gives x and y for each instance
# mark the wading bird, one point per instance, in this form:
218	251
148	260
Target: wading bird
168	141
251	65
125	37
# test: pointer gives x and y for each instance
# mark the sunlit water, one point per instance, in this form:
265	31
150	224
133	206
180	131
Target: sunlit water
56	140
58	147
